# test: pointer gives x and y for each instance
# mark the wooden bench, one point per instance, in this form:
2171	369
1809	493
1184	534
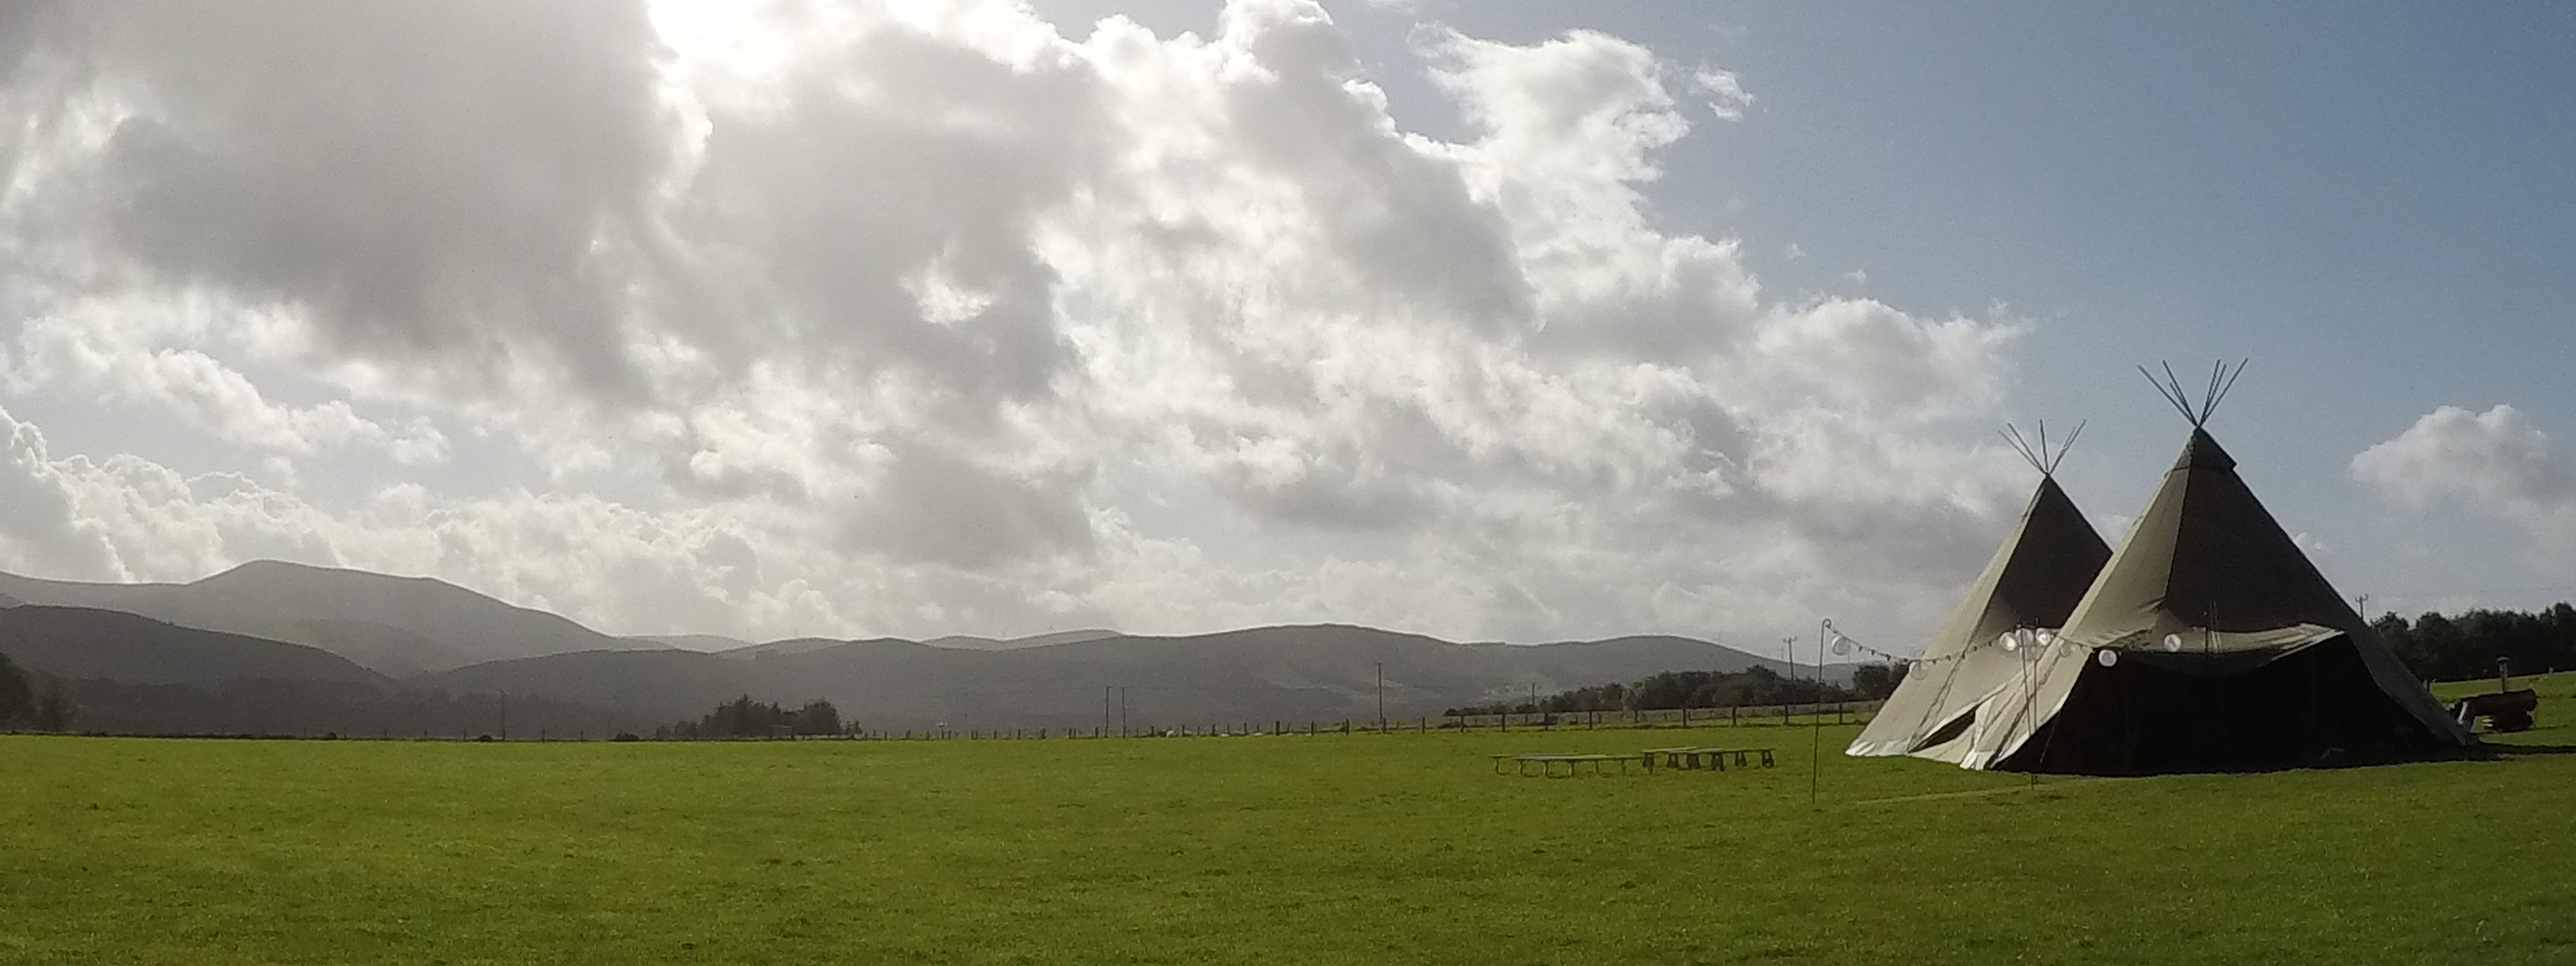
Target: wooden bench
1573	763
1713	759
1682	757
1716	754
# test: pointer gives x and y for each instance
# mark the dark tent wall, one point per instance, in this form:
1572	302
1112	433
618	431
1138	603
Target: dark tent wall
2157	712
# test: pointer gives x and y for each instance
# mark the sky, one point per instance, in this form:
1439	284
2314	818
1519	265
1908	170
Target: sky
1493	321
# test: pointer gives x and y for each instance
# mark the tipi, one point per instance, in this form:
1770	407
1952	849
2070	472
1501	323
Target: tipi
2208	642
2034	581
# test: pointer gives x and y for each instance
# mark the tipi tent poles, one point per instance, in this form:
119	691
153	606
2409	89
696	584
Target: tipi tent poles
2221	379
2041	457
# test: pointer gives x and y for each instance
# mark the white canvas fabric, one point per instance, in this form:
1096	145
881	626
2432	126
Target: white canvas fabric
2034	580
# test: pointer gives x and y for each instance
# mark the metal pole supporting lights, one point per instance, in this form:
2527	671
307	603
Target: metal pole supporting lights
1827	638
2027	643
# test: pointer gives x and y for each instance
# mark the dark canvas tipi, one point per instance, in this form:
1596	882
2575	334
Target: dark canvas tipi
2227	650
2034	581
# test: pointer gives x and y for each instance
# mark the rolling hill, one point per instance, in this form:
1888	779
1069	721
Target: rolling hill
80	642
1318	672
974	643
399	626
131	674
269	621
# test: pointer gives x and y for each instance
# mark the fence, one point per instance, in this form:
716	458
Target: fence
1771	715
1837	712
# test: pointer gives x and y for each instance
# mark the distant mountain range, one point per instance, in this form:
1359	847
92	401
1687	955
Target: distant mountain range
364	653
399	626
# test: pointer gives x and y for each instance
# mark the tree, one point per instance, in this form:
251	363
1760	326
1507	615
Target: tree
743	717
1693	689
1876	681
54	707
818	717
2466	646
16	697
2445	650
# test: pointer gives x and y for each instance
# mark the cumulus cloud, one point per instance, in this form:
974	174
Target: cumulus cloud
95	350
820	318
2495	461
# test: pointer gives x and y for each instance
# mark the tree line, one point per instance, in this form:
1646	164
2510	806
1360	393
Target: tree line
2452	648
743	717
33	700
1705	689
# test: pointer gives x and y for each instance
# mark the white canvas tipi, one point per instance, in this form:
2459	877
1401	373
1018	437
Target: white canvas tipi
2034	581
2209	641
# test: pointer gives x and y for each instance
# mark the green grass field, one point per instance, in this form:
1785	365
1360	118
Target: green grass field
1334	849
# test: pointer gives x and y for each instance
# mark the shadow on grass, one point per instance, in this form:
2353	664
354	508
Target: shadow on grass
2498	750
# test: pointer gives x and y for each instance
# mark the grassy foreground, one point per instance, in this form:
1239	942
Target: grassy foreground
1360	849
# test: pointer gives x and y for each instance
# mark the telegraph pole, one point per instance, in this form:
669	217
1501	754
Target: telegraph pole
1381	697
1789	655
